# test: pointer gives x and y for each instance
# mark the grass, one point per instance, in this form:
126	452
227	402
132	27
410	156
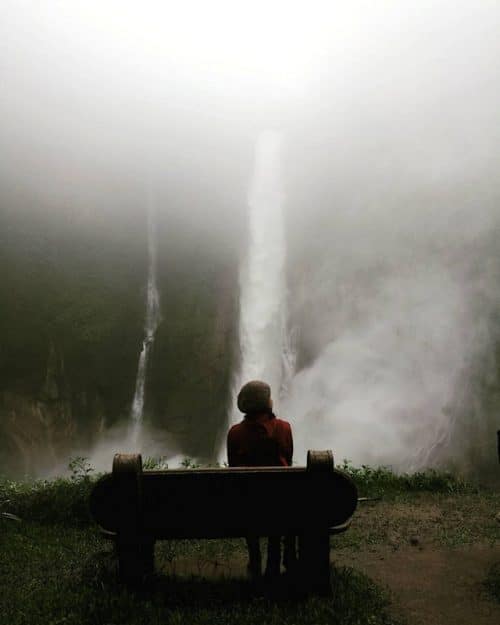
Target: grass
59	501
53	575
437	519
492	582
56	569
384	482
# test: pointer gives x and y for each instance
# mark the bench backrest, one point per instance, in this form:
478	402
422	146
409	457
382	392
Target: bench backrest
225	502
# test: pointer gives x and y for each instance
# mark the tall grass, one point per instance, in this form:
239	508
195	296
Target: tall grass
382	481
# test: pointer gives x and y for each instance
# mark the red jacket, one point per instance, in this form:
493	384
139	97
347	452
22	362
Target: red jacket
260	441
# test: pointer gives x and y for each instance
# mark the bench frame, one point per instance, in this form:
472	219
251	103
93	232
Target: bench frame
135	546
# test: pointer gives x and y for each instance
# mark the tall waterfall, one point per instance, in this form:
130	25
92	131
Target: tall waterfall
265	348
152	321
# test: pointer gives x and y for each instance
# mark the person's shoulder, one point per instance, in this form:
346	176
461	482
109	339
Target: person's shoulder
283	424
236	427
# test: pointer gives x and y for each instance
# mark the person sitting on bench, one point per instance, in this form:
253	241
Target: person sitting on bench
261	440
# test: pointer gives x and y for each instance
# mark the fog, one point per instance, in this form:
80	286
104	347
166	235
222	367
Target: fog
388	118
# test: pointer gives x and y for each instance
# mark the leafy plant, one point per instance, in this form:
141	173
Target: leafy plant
383	480
59	501
80	468
189	463
152	463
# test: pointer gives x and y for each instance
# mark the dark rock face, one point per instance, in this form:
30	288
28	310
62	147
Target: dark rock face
34	432
71	331
189	379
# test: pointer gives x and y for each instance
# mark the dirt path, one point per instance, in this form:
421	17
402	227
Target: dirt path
432	553
432	586
428	585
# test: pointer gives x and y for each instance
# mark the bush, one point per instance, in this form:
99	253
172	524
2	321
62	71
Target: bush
383	480
59	501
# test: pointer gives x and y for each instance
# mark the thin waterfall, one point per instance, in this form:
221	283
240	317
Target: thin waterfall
289	356
152	321
266	350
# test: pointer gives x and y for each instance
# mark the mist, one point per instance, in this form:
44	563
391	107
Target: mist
387	115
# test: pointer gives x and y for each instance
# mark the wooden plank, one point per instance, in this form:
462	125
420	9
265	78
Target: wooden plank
226	503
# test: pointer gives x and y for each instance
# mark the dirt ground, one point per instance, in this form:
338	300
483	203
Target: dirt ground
433	586
428	585
432	553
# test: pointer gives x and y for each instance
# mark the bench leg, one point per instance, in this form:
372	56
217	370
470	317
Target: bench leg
135	559
314	558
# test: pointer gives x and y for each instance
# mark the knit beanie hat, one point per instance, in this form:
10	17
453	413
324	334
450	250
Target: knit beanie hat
254	397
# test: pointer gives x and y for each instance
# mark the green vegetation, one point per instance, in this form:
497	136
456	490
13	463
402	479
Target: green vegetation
433	519
492	582
62	501
59	501
56	568
383	482
61	575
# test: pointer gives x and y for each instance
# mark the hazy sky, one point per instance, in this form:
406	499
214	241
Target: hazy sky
389	113
117	88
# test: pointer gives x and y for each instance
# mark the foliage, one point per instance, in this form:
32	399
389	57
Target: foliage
59	501
158	463
492	582
152	463
189	463
80	468
66	576
381	481
57	569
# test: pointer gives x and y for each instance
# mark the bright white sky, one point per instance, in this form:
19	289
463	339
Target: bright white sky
275	44
270	42
238	47
106	77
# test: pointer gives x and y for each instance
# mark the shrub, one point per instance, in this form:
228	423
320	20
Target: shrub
60	501
383	480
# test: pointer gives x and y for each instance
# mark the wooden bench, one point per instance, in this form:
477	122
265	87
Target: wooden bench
137	508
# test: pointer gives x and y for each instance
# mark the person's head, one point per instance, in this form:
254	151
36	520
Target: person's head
255	398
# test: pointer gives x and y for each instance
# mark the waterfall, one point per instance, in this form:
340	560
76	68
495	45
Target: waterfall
266	349
152	321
